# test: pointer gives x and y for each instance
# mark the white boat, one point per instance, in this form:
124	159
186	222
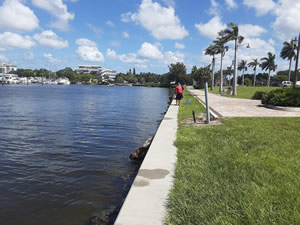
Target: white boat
63	81
10	79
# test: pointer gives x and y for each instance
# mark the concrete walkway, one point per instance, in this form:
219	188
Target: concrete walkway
236	107
145	203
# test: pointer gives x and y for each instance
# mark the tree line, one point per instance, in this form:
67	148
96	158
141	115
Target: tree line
177	73
231	33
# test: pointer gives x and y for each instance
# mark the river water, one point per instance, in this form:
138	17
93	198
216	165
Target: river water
64	149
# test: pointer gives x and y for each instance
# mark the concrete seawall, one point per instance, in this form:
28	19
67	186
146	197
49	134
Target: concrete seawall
146	201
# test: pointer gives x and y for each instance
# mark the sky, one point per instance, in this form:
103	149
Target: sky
147	35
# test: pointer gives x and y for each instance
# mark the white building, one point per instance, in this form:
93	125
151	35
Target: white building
106	74
6	68
88	69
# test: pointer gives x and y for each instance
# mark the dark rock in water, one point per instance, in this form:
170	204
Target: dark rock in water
139	153
103	218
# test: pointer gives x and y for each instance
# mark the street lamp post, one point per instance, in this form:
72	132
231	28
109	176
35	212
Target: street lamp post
296	42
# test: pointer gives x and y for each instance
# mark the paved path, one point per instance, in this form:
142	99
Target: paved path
146	201
237	107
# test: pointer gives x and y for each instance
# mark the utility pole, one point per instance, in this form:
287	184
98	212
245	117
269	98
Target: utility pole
206	103
296	65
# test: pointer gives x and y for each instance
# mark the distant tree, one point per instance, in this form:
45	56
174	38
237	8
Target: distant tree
60	73
228	72
232	34
269	64
119	79
212	50
254	64
177	72
261	79
201	75
243	67
24	73
221	49
280	77
247	82
288	51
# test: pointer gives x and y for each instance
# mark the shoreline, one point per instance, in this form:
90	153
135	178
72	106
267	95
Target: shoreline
146	200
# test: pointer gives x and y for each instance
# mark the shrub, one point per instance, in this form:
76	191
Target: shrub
259	95
282	97
247	82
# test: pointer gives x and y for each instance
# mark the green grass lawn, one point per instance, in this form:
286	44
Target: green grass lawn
244	91
245	171
187	109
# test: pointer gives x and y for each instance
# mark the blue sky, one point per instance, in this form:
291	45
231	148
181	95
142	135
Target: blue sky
146	34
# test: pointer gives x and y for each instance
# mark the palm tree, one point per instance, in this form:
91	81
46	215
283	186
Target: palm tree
288	51
228	72
243	67
269	64
254	64
212	51
233	35
221	49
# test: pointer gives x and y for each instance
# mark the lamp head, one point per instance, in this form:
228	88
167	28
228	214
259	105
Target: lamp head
295	42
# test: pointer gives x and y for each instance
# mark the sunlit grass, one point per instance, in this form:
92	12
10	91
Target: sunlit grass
187	109
244	91
245	171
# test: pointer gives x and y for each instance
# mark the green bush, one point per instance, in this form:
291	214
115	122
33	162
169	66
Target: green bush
259	95
283	97
247	82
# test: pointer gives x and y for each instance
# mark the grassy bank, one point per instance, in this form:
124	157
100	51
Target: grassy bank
244	91
185	110
245	171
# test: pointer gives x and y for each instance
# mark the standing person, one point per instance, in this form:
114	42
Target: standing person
179	93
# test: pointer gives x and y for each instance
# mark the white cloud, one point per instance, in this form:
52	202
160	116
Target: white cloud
173	57
111	54
214	8
51	59
58	10
49	39
211	28
179	46
16	17
110	23
88	51
85	42
287	20
262	7
10	40
132	58
249	30
150	51
231	4
126	17
125	34
160	21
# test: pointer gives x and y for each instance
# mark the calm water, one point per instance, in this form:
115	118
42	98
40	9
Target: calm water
64	149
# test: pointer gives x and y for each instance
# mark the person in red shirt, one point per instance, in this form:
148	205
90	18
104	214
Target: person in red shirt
179	93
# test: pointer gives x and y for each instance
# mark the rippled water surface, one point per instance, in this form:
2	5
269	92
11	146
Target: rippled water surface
64	149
